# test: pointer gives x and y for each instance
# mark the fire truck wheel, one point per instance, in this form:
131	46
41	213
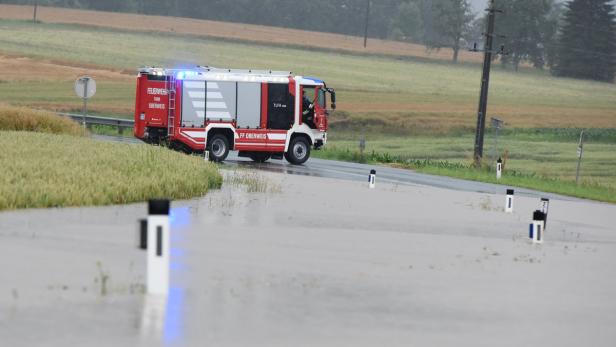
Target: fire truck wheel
218	147
260	157
299	151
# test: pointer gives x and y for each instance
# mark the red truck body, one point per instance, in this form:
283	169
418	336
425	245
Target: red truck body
261	114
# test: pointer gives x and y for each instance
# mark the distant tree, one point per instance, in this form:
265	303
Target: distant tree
449	23
407	24
525	28
587	43
475	31
552	25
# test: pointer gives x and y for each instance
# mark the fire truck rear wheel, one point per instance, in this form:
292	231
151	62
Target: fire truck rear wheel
299	151
218	147
260	157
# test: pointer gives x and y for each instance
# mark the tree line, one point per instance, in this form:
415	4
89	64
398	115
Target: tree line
574	39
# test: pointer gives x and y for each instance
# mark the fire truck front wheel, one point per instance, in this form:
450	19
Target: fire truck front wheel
218	147
299	151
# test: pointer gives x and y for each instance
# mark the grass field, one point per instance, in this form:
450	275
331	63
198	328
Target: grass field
375	92
413	108
550	158
46	170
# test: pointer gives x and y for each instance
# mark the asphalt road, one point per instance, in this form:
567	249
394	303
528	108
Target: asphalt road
359	172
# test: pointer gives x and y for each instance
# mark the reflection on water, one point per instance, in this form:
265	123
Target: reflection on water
153	317
161	317
173	315
302	170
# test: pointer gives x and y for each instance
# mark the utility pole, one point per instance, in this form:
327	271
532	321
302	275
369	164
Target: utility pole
35	8
485	82
367	21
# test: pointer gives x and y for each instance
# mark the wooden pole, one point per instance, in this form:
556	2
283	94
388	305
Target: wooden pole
35	8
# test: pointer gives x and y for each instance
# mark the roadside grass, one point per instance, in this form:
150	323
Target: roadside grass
588	189
252	181
430	96
533	163
26	119
47	170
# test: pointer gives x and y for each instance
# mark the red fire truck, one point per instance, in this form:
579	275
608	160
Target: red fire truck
261	114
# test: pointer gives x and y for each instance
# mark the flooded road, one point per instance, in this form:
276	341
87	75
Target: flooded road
311	261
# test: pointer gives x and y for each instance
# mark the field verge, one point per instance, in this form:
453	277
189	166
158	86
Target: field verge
586	190
26	119
45	170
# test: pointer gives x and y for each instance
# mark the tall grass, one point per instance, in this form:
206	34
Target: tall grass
21	118
46	170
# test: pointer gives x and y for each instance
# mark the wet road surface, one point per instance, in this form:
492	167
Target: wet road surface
359	172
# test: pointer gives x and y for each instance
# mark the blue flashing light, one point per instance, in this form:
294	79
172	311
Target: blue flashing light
316	80
185	74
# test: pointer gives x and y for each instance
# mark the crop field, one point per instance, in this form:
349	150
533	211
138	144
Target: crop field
377	93
49	161
413	107
65	170
14	118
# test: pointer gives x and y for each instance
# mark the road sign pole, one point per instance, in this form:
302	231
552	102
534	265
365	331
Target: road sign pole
85	101
85	88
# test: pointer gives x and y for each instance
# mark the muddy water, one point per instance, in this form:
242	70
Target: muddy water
313	261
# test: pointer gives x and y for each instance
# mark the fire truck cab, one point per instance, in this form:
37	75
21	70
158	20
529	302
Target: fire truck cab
261	114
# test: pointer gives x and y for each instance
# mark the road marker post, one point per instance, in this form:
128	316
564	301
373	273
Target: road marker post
537	227
545	205
206	155
499	168
157	243
142	242
371	179
509	201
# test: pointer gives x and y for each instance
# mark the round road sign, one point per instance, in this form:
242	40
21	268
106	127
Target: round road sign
85	87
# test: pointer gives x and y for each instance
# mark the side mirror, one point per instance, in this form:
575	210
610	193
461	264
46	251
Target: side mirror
333	98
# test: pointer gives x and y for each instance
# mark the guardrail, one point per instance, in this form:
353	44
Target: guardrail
120	123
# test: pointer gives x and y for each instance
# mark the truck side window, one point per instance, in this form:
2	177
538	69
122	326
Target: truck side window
280	106
322	98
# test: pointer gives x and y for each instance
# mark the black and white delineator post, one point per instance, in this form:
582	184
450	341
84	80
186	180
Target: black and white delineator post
372	178
206	155
157	243
143	234
509	201
499	168
537	227
545	206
